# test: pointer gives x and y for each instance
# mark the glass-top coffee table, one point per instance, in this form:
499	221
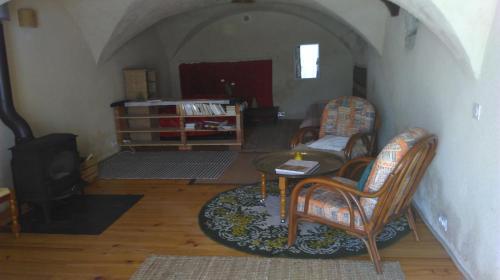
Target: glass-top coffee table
266	164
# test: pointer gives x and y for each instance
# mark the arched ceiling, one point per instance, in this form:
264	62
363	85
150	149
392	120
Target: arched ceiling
97	19
367	17
203	18
464	26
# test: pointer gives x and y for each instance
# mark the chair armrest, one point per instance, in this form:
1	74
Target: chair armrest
329	183
368	140
354	168
298	138
349	194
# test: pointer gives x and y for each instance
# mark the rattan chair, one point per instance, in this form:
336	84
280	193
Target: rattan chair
387	194
347	116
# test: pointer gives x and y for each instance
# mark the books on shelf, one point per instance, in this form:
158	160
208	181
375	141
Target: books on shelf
202	109
190	126
227	127
297	167
211	124
231	110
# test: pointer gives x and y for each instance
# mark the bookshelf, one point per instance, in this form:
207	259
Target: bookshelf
189	118
140	84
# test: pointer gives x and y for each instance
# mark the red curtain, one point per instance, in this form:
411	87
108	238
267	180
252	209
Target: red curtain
251	79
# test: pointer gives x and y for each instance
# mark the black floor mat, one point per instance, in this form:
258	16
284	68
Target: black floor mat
87	214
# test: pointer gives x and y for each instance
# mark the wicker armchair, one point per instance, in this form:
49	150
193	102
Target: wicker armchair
387	194
347	116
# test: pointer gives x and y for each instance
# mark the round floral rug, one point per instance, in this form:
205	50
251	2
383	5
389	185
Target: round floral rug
237	218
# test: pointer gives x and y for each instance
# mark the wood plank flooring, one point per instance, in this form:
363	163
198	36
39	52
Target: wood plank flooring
165	222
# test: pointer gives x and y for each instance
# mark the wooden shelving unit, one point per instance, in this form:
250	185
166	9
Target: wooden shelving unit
140	83
128	134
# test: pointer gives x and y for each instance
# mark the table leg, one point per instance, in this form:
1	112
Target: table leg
282	186
263	186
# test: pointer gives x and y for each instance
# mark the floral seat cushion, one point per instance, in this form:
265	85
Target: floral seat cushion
331	205
346	116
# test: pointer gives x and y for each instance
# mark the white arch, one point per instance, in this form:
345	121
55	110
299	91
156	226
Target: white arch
463	26
97	20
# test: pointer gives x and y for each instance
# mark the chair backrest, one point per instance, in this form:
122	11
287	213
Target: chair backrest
347	115
397	171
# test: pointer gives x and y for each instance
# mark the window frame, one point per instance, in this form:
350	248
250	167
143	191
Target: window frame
298	60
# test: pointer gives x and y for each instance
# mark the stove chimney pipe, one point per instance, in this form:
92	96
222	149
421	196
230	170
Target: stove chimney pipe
8	114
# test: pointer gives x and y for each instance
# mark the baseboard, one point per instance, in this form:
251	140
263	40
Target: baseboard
454	257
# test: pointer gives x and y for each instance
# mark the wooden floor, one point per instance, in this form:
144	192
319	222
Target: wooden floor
165	222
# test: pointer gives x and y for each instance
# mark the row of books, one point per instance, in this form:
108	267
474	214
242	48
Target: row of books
215	125
190	126
203	109
231	110
297	167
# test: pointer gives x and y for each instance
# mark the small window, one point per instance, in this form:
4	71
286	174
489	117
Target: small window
307	61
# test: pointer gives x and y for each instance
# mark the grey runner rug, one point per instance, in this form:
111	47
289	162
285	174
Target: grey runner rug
167	165
244	268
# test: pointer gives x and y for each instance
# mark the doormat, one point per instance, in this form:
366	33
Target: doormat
79	214
239	220
167	165
220	268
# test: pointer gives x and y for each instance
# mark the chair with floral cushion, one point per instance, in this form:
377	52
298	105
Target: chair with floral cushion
386	195
350	120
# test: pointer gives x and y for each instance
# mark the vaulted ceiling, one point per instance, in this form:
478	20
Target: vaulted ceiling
369	22
464	26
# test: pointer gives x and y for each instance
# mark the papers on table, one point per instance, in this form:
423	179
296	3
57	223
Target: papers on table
297	167
330	142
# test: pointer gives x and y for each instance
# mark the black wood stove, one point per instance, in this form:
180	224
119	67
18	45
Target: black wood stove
46	169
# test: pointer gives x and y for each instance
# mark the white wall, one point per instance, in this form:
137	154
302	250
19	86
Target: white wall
269	35
427	87
96	20
57	85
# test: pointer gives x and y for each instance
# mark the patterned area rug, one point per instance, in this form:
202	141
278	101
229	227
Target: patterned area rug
238	219
167	165
231	268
